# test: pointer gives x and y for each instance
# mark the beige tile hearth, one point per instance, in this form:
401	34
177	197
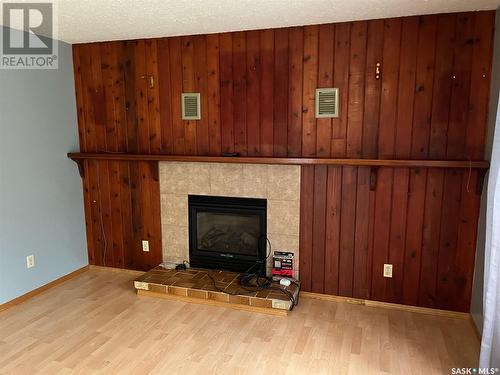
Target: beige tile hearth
279	184
221	286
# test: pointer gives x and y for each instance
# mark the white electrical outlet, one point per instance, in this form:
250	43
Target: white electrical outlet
30	261
141	285
387	270
145	245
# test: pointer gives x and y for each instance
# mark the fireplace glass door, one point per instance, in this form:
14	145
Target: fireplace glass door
227	233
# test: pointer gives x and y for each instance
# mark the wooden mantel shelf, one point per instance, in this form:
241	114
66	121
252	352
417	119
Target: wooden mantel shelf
473	164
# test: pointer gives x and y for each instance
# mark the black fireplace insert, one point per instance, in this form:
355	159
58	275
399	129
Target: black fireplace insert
227	233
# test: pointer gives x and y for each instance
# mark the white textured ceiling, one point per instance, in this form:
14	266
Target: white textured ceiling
98	20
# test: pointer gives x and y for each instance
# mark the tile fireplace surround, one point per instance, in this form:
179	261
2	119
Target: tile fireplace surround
279	184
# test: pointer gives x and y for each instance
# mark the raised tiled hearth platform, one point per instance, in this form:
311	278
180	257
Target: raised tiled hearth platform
195	285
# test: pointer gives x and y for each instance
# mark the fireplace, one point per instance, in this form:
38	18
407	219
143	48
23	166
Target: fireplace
227	233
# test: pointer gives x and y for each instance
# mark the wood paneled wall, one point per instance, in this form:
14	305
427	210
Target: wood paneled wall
257	90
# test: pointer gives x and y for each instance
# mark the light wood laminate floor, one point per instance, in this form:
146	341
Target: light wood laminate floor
95	323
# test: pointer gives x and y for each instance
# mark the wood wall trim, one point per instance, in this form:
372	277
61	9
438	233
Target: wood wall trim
43	288
475	164
385	305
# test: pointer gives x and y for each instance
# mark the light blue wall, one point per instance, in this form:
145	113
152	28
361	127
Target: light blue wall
41	208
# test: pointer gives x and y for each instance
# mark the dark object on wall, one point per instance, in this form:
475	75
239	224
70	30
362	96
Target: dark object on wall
227	233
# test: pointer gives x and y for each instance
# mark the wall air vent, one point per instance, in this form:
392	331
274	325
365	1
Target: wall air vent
327	102
191	106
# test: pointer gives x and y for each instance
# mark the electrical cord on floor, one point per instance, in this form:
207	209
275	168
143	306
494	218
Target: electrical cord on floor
253	282
261	282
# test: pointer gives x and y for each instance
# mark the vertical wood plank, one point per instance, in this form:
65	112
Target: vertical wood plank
479	85
137	259
98	98
104	209
144	172
295	71
132	146
326	39
154	217
280	92
419	149
214	122
466	243
201	86
103	110
347	230
445	41
402	149
381	232
450	217
141	86
319	221
226	91
145	202
107	67
386	149
460	87
130	98
253	73
114	254
397	240
188	85
448	272
341	80
377	35
356	89
153	95
179	139
117	245
406	87
87	205
430	237
306	226
413	246
362	265
309	90
79	89
389	90
87	84
474	148
267	92
332	241
165	97
126	207
239	93
118	79
423	90
97	256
